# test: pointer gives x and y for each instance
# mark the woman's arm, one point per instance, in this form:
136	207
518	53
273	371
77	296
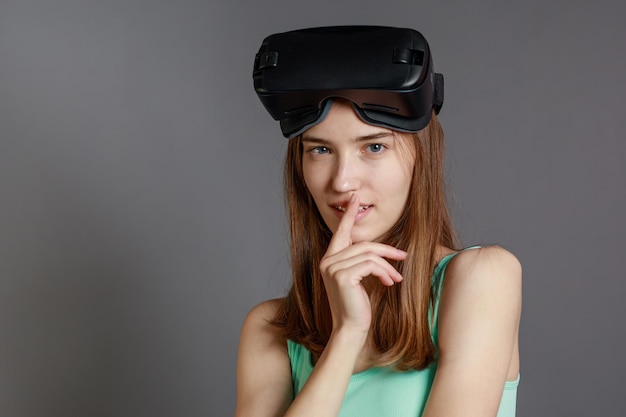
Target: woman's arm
264	384
263	370
478	328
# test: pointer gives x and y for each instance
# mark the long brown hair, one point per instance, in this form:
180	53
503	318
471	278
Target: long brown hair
400	326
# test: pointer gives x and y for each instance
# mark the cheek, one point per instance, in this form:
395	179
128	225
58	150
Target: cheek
397	187
313	179
309	180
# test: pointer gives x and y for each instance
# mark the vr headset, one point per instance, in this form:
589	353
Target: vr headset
387	73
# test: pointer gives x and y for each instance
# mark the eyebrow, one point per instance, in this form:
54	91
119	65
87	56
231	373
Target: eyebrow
377	135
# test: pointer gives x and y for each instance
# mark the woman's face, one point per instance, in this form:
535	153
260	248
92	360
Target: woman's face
343	155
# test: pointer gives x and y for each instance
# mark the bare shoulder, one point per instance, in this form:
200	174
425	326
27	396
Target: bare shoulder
482	291
258	324
479	313
492	266
482	288
263	369
264	312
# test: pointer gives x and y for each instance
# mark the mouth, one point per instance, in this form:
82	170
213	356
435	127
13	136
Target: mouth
343	208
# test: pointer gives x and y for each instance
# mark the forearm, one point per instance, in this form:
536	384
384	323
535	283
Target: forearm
324	391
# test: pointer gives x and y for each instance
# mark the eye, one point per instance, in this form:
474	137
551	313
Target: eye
375	147
319	150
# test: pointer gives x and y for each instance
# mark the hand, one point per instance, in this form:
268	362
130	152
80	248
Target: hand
344	266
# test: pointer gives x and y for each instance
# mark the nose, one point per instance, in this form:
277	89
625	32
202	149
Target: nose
346	176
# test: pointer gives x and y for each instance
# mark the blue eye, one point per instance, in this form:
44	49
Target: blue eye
319	150
376	147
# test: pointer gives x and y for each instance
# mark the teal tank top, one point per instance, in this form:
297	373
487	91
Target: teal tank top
404	393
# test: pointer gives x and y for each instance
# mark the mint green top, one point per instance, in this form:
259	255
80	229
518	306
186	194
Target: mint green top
384	392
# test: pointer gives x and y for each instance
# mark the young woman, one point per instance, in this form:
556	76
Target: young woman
385	317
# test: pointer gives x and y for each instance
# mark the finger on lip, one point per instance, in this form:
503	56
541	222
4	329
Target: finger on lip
347	221
353	204
344	205
352	211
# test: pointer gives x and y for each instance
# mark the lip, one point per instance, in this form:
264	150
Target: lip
339	209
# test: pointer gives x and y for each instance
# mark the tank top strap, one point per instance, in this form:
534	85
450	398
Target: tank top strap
436	285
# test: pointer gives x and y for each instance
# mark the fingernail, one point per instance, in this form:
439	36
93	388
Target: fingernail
401	252
353	198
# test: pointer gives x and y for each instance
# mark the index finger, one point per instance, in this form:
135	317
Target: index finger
341	238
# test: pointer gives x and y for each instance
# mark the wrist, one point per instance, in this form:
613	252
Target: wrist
349	338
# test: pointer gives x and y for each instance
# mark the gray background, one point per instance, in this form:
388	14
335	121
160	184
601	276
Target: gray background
141	213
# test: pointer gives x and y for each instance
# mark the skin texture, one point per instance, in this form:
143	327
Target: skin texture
366	160
348	163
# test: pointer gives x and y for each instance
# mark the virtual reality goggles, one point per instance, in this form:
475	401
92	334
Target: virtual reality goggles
387	73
